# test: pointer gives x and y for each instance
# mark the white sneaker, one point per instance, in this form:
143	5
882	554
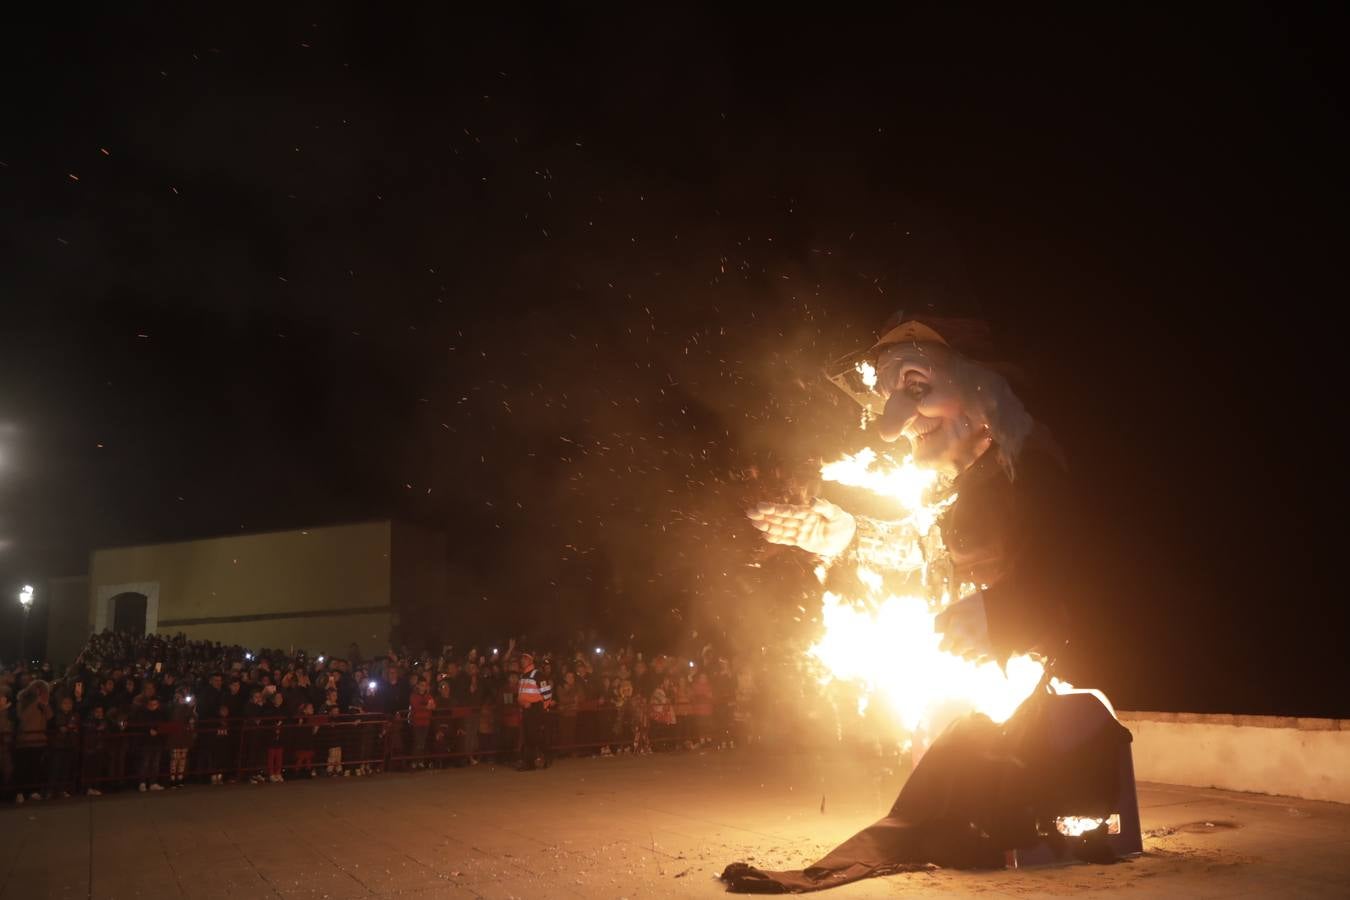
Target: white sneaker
94	792
142	788
65	795
157	787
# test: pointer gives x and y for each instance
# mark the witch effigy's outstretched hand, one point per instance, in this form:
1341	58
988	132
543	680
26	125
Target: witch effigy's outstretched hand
820	527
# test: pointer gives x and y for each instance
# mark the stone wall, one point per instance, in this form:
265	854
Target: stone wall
1295	757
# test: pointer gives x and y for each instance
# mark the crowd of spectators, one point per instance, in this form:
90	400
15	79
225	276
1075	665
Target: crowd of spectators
150	712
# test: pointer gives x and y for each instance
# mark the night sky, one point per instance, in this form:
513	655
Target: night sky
562	285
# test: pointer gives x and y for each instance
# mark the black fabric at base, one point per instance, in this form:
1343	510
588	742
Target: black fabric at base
980	790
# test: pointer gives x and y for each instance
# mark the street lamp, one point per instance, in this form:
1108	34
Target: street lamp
26	601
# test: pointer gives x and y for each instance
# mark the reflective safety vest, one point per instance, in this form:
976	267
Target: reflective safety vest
532	689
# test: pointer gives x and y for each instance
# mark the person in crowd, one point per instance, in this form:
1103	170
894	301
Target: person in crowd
78	695
487	726
702	708
30	744
534	695
6	739
63	742
257	717
105	696
291	693
304	736
330	734
477	708
661	715
275	733
181	734
219	746
126	695
304	687
149	720
443	724
470	694
421	705
118	739
94	750
210	695
148	691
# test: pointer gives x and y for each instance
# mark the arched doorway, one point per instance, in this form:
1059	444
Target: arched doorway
129	613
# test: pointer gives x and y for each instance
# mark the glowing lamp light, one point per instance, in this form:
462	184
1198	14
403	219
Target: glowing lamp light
370	685
320	659
598	651
188	698
26	597
248	656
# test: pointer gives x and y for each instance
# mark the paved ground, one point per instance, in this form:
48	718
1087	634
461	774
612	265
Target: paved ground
657	826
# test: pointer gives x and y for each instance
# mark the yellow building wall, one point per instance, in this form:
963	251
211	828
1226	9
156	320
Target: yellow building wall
67	617
331	636
276	589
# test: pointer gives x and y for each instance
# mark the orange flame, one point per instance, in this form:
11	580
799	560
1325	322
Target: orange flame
887	644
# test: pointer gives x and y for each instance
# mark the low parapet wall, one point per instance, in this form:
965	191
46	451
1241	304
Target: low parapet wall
1294	757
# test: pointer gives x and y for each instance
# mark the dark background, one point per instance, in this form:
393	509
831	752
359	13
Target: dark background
562	285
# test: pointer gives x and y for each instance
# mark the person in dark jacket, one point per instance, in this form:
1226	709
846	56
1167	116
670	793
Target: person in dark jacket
256	734
63	742
220	746
236	698
94	750
105	696
209	696
148	720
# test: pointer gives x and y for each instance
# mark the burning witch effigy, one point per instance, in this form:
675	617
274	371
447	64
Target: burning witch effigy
962	600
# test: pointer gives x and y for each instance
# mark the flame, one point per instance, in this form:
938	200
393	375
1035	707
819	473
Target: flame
1077	826
887	644
905	483
892	652
868	373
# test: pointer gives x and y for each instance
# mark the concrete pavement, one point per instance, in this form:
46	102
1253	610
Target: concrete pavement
656	826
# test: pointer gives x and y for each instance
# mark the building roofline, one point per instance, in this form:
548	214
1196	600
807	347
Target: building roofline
220	537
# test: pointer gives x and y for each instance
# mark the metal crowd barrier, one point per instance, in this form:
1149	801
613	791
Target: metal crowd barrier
262	747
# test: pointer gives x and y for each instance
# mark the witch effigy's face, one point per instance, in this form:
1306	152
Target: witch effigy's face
925	393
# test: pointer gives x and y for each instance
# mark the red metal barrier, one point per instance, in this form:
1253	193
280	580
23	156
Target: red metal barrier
110	756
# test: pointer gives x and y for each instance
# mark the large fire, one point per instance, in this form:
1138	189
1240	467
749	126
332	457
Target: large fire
887	644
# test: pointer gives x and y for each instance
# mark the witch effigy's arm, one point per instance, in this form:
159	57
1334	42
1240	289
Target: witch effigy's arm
885	545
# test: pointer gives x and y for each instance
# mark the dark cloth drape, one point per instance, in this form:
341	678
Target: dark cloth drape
981	789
